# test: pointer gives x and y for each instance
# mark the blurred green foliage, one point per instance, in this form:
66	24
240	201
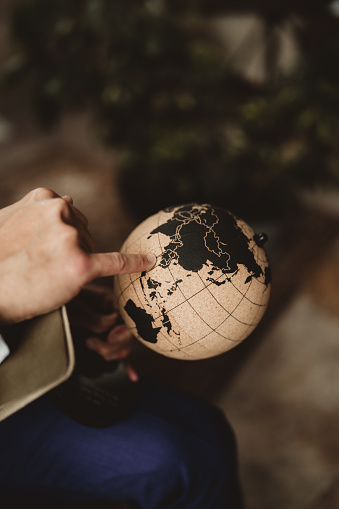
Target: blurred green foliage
187	127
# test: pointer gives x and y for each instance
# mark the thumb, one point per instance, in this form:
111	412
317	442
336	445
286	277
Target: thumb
109	264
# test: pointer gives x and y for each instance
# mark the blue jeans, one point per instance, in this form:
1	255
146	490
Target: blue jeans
174	452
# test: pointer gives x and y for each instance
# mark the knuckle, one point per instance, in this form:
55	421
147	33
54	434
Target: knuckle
42	193
55	211
59	206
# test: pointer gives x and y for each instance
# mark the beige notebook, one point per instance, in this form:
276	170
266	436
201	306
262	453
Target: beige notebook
42	357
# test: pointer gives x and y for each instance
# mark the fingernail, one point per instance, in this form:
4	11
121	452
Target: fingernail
152	259
68	198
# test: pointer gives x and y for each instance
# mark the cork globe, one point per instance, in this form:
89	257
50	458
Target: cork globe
209	288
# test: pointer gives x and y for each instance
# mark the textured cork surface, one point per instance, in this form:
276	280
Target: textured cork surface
208	290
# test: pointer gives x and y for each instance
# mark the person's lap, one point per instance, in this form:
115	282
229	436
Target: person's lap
174	452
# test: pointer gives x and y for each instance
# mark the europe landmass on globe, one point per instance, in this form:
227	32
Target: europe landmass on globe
199	236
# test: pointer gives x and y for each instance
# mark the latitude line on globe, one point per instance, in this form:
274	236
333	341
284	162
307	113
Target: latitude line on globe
186	299
230	313
201	290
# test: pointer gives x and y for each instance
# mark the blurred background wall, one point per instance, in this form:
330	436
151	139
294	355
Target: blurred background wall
133	106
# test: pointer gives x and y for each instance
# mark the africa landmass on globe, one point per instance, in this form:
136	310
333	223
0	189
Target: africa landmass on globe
207	264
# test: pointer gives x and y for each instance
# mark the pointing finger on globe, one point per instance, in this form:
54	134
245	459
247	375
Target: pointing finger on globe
109	264
209	289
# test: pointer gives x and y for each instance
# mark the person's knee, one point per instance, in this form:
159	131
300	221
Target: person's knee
204	473
183	466
191	473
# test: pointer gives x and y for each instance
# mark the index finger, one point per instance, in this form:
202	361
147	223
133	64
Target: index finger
110	264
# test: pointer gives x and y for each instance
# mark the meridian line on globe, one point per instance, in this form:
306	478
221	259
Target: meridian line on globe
185	299
174	349
230	313
208	334
174	280
131	283
229	279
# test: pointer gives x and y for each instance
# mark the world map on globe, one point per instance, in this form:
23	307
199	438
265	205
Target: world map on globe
209	288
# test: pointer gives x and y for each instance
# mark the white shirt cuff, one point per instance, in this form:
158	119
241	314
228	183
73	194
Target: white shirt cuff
4	350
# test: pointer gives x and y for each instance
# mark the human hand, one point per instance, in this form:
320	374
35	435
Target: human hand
46	256
95	321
